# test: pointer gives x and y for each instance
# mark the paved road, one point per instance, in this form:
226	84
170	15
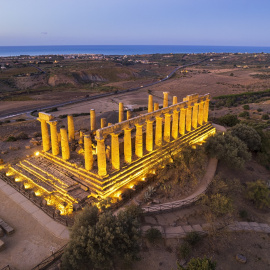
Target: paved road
20	112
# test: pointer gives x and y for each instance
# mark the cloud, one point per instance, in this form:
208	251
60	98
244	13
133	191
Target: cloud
44	33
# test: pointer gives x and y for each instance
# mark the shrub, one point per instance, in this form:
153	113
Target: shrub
11	139
228	148
265	116
246	107
7	121
228	120
258	193
243	114
153	235
184	250
199	264
192	238
243	214
259	110
20	120
248	135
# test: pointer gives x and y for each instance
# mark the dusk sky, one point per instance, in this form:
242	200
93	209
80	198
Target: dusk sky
124	22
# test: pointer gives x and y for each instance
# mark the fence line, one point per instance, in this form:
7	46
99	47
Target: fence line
50	260
62	220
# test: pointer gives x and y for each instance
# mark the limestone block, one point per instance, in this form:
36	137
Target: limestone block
28	147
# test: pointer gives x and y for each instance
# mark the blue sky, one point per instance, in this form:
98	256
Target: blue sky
153	22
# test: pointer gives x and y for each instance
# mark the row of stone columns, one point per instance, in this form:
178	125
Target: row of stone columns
182	121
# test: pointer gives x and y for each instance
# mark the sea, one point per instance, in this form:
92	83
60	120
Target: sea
125	49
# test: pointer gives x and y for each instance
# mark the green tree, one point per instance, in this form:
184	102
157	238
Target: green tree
258	193
248	135
228	148
228	120
199	264
97	240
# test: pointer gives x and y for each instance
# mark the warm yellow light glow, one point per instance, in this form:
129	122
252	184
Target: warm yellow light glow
37	154
117	195
143	179
131	186
18	179
27	185
38	193
9	173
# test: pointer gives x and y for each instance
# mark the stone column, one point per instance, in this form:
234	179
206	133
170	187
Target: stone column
182	122
128	114
102	122
88	154
167	127
175	122
150	103
115	155
139	141
127	145
54	137
64	144
121	112
174	100
45	135
149	135
71	132
156	106
200	115
195	115
92	119
205	111
188	118
165	99
158	137
81	137
101	157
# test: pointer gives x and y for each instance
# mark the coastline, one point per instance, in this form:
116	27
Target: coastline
12	51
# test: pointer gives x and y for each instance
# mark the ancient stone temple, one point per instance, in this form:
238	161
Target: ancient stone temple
76	165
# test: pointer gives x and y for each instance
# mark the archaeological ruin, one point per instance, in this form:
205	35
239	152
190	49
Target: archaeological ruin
77	165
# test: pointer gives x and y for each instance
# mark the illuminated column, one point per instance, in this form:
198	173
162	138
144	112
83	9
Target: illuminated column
165	99
156	106
93	120
64	144
121	112
127	145
158	137
81	137
150	103
175	122
200	115
182	122
115	156
102	122
45	135
167	127
54	137
188	118
205	111
88	154
139	141
149	135
128	114
195	116
101	156
71	133
174	100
